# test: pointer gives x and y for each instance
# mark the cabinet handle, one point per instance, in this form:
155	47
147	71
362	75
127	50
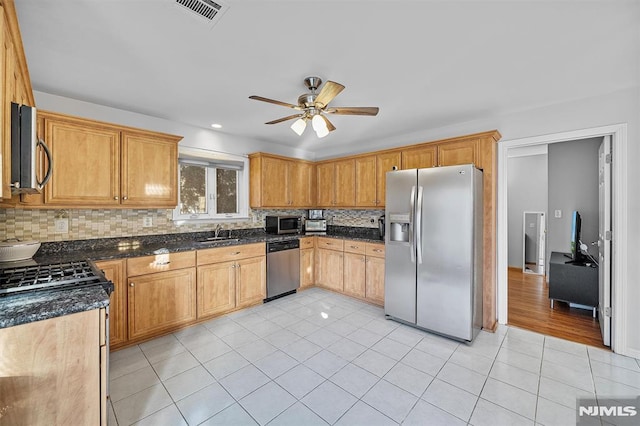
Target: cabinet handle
131	284
354	247
115	197
235	253
233	266
125	198
377	250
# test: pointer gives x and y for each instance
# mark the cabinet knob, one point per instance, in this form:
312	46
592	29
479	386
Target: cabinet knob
132	284
116	197
125	198
236	253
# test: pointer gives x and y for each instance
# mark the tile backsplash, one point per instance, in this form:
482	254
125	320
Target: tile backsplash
83	224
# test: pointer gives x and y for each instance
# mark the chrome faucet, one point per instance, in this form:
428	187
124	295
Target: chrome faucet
217	230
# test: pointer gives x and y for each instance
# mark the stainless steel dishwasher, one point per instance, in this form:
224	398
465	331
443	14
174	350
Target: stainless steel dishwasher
283	268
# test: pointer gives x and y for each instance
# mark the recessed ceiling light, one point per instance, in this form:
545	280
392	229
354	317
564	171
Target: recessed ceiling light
216	126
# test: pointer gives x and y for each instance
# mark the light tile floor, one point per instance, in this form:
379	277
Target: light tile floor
317	358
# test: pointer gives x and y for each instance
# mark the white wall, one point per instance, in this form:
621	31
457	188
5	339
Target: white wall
527	192
194	137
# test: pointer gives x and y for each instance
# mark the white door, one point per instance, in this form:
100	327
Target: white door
604	239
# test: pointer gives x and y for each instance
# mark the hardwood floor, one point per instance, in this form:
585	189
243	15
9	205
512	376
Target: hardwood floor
529	309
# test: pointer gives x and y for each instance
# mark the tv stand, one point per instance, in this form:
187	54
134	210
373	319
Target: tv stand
573	282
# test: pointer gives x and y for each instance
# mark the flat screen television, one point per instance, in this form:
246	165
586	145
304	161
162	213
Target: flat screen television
576	224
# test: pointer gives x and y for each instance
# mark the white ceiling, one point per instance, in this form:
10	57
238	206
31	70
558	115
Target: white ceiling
426	64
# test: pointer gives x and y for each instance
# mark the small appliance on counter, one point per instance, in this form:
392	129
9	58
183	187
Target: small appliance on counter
315	214
313	226
282	224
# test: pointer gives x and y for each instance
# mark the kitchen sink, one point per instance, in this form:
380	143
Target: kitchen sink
217	239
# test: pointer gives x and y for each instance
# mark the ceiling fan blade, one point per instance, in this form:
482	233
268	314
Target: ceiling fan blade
330	125
330	90
353	110
280	120
273	101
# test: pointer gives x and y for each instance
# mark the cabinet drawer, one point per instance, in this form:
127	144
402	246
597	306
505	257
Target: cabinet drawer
224	254
357	247
306	242
160	263
330	243
375	250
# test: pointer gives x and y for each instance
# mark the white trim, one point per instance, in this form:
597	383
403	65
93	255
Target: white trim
619	281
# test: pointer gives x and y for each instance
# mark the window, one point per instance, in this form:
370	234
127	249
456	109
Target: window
212	186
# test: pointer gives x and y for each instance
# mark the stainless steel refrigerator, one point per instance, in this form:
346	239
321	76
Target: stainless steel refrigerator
433	244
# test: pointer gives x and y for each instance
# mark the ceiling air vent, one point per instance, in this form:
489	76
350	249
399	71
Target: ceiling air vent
207	9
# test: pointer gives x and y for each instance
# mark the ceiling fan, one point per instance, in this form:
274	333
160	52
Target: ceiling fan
313	106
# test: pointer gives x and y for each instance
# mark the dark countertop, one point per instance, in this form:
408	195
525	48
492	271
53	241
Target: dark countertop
36	306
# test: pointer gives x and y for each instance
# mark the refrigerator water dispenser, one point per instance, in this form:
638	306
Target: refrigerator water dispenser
399	227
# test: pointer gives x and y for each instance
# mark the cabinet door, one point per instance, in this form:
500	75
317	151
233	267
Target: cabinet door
329	272
325	182
251	281
306	267
149	170
454	153
216	288
354	274
86	163
51	372
366	181
275	178
114	270
420	158
385	163
302	186
161	301
345	183
375	280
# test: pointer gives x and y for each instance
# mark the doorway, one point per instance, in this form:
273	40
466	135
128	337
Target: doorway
619	215
533	242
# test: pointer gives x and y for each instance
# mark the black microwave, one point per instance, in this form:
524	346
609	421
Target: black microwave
282	224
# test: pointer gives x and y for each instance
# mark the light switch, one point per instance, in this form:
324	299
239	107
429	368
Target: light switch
558	214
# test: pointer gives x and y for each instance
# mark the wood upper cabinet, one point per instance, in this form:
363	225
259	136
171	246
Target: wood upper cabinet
103	165
149	170
337	183
281	182
420	158
115	272
86	163
366	176
459	152
385	163
161	301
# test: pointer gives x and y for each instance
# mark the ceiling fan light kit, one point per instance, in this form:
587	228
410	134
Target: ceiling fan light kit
313	106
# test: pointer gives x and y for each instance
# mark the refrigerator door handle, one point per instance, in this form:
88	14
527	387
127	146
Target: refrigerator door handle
418	226
412	203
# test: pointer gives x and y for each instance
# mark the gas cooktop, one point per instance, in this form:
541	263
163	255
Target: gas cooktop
51	276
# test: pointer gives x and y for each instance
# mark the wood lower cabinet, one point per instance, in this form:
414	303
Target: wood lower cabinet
329	269
54	371
161	301
307	277
374	282
216	289
115	271
251	281
230	278
354	274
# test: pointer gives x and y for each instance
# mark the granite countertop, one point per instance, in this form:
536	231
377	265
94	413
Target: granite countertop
35	306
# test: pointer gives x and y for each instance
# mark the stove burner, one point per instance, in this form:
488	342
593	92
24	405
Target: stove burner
56	275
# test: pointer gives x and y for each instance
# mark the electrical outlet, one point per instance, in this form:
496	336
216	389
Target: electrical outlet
558	214
147	221
61	225
372	220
